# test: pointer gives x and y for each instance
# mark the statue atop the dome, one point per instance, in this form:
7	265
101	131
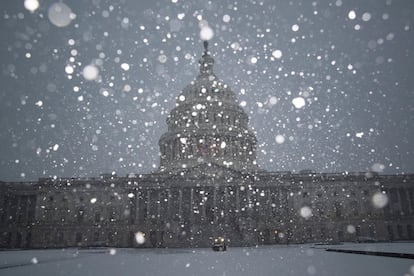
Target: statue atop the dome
205	47
206	61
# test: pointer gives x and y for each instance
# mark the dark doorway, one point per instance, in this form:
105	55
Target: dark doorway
18	240
153	238
28	240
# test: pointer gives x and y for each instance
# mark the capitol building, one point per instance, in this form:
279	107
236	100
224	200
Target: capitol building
208	184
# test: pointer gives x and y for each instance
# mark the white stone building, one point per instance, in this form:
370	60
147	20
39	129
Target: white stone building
208	185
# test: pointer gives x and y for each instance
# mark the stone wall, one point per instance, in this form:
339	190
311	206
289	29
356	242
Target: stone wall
192	207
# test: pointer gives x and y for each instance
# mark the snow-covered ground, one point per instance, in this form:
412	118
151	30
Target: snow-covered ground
265	260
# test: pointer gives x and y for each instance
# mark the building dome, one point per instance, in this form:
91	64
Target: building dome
207	126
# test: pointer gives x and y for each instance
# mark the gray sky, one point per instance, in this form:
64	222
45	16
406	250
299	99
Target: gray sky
355	75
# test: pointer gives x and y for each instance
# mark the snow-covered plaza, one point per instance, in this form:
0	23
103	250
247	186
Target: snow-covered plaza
305	259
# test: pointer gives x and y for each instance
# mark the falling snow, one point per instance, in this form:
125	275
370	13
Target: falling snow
31	5
60	14
305	212
280	139
299	102
140	237
125	66
206	32
352	14
379	200
277	54
34	260
91	72
327	87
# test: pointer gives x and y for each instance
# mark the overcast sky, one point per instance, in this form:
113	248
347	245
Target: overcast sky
86	87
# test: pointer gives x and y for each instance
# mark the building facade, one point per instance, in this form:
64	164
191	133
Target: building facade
208	185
